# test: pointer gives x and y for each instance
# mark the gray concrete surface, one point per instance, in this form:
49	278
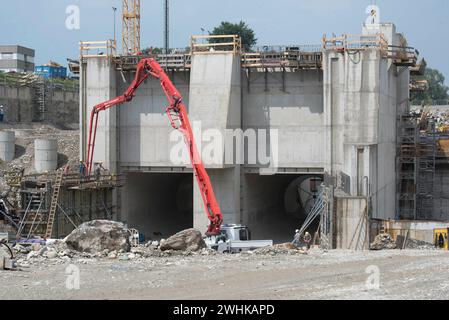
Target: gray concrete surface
403	275
61	107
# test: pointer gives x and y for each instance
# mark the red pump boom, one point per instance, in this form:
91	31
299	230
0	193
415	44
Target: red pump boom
179	120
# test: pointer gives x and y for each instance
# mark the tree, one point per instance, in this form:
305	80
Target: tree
241	29
151	50
437	89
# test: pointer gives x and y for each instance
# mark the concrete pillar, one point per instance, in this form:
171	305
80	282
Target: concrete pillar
98	84
215	104
7	145
45	155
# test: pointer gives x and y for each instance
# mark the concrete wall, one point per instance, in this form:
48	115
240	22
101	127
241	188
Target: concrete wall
292	104
362	91
62	107
351	223
144	127
17	103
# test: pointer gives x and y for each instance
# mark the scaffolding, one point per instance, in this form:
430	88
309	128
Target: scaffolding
39	98
416	158
40	214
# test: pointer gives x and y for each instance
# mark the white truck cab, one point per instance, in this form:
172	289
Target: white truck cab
235	238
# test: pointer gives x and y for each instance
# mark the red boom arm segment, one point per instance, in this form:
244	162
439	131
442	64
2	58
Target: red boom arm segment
179	120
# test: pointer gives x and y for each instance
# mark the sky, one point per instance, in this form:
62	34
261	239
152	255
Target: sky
41	24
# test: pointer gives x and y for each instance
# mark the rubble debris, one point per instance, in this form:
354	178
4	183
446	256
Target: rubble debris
419	245
383	242
283	248
186	240
98	235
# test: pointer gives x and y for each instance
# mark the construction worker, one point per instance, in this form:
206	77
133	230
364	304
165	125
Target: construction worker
441	241
2	113
307	239
297	238
82	170
97	170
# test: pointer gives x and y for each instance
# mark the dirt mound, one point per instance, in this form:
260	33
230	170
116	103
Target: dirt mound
383	242
99	235
186	240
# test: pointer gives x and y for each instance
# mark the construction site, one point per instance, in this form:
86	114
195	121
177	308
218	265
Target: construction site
162	166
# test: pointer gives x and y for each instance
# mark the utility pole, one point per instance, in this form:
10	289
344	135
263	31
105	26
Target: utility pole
115	11
166	27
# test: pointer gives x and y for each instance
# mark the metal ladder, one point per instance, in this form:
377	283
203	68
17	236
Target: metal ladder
54	203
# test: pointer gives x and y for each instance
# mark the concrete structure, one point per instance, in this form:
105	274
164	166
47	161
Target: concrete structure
14	58
7	145
300	123
45	155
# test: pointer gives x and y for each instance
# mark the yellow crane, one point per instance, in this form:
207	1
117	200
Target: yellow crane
131	26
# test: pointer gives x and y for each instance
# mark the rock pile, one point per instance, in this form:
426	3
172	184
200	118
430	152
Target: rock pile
99	235
383	242
186	240
284	248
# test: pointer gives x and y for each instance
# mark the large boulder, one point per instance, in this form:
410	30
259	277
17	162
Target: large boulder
99	235
186	240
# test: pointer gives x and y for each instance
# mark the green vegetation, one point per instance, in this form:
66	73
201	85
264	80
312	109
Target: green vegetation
241	29
19	79
438	91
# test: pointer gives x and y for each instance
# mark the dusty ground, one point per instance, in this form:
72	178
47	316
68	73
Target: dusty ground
318	275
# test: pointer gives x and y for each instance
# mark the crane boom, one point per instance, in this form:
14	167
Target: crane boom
179	120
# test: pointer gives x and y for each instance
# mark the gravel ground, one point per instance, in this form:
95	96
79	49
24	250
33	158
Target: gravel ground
317	275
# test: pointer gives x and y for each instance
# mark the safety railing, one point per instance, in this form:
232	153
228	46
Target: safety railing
177	61
311	48
291	59
356	42
215	44
98	49
403	56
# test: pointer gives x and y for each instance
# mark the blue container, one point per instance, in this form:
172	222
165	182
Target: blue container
51	72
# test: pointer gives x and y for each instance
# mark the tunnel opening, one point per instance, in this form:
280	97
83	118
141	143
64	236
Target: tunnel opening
158	205
275	206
